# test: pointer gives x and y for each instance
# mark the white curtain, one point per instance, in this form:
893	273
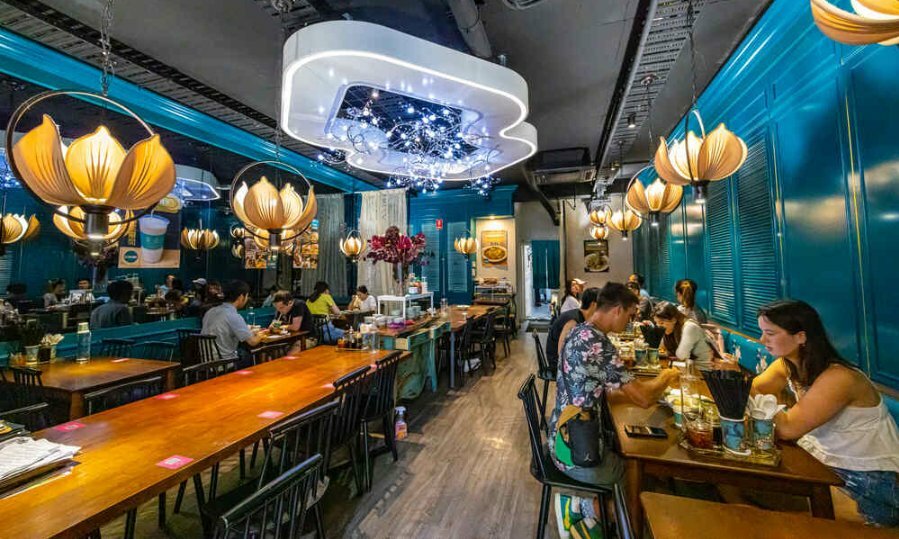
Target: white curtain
331	263
380	209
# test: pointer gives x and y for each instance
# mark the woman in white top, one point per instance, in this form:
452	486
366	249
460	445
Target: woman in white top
363	301
839	416
683	338
573	289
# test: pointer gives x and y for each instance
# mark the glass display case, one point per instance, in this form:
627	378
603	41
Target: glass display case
410	306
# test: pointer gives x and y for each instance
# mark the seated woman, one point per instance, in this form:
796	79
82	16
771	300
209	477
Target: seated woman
321	303
686	289
363	301
56	291
644	308
571	299
684	337
839	416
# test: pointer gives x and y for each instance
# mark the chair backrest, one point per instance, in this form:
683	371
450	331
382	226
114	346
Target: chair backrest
381	399
466	338
116	347
35	417
121	394
279	505
298	438
544	370
490	326
27	385
201	348
539	454
622	517
350	390
320	324
270	352
183	351
208	370
139	314
159	350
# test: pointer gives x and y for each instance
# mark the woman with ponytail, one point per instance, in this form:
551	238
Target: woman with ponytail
686	289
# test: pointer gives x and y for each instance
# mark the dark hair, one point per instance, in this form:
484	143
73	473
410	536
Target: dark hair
687	289
568	291
640	279
818	353
54	283
631	285
120	291
362	288
173	296
669	311
320	288
234	289
177	284
88	279
613	295
16	288
283	296
590	295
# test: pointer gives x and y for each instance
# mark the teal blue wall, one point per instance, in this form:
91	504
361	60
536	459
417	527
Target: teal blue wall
814	214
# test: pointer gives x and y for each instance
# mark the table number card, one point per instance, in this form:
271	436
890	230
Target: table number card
271	414
244	372
166	396
174	462
69	427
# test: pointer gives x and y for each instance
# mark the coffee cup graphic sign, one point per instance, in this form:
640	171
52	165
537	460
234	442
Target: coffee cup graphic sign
156	240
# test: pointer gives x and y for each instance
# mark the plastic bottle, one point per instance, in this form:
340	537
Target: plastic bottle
424	285
83	338
401	428
251	317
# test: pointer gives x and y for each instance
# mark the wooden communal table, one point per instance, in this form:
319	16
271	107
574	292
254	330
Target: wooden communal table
458	318
278	338
68	381
122	449
799	473
674	517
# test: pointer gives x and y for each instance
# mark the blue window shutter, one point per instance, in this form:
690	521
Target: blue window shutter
721	268
665	284
759	279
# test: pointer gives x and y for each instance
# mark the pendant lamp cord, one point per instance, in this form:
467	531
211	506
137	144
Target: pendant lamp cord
107	63
691	21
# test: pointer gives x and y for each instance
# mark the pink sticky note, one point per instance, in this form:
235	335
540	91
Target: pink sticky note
271	414
69	427
120	360
174	462
328	386
166	396
244	372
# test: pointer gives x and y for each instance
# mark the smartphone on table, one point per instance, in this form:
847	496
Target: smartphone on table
645	431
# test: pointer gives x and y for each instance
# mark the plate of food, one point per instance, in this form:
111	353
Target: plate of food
597	262
495	254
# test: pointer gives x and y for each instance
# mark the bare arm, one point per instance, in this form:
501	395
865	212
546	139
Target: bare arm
566	329
832	391
645	393
773	381
295	323
255	339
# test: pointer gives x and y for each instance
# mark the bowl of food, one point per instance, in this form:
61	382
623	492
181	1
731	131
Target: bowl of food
495	254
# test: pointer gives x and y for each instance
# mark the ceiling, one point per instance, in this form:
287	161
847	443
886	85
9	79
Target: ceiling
571	53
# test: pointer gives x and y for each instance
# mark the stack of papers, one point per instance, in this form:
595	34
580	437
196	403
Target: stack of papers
22	455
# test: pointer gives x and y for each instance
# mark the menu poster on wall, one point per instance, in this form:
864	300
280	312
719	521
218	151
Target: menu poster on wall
306	256
256	258
596	256
494	248
154	241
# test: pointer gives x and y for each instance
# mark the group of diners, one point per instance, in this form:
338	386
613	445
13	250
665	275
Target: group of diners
833	409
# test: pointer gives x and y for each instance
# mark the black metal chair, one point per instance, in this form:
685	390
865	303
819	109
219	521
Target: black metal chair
351	396
121	394
200	348
27	386
463	350
183	350
485	341
544	470
158	350
287	444
33	417
276	510
379	405
545	372
503	328
270	352
320	326
115	347
622	517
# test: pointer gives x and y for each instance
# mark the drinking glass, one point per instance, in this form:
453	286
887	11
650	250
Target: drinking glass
762	432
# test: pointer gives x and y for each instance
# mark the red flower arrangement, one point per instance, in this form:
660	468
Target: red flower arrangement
396	248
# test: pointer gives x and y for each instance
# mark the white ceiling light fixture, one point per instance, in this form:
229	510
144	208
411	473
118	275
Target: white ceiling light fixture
334	72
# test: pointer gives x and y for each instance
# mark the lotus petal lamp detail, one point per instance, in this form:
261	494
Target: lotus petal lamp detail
75	229
14	227
600	232
600	217
657	199
466	245
237	250
874	21
625	220
199	239
352	246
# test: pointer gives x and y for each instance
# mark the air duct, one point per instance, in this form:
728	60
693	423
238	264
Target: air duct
468	19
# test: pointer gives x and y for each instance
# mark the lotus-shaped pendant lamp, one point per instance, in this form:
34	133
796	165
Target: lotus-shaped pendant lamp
279	213
199	239
698	160
600	217
874	21
352	246
14	228
657	199
600	232
74	228
94	173
625	220
465	245
237	250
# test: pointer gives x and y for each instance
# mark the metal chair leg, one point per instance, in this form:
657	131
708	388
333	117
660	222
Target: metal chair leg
390	435
543	404
130	523
354	454
160	517
179	498
544	511
319	521
366	456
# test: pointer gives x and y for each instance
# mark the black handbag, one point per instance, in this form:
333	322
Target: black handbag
585	439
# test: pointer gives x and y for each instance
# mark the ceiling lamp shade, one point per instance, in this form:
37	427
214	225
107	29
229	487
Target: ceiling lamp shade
237	250
352	246
625	220
698	160
599	232
74	228
94	173
14	228
466	245
874	21
600	217
199	239
657	199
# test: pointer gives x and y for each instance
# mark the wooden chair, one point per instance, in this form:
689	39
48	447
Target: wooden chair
544	470
278	509
200	348
33	417
115	347
546	373
158	350
351	396
27	386
121	394
379	405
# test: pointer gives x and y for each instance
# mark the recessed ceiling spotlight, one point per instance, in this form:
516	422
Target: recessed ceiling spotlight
631	120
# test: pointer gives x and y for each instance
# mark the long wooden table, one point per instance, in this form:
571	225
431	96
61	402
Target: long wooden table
122	449
69	381
799	473
674	517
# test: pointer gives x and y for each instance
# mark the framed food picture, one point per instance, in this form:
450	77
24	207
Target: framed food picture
596	256
494	248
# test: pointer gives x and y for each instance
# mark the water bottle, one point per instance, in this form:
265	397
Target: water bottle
251	317
83	338
401	428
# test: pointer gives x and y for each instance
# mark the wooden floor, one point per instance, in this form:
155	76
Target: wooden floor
462	472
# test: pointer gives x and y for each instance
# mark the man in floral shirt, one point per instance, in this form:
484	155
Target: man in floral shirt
589	367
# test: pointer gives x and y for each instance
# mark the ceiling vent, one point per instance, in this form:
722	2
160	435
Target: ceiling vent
565	166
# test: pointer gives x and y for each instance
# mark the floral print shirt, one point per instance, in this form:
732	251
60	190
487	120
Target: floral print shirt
589	365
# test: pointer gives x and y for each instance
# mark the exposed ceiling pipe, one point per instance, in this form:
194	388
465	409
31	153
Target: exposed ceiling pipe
468	19
541	197
646	12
